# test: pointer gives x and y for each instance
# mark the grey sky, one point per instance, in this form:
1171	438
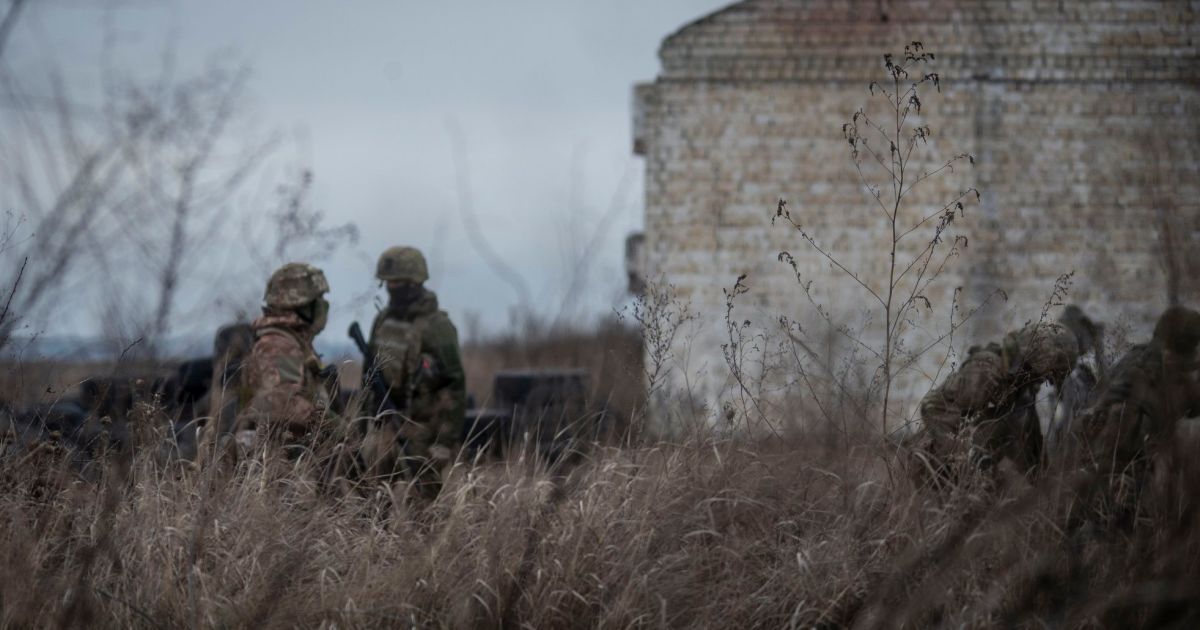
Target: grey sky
540	89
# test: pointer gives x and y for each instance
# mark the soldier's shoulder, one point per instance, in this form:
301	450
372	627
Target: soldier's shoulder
1137	359
980	374
274	341
437	328
438	320
985	358
379	318
1139	365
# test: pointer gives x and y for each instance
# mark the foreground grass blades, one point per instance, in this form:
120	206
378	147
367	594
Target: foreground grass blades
701	533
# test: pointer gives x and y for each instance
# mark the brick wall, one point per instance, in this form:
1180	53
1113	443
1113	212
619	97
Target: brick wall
1083	117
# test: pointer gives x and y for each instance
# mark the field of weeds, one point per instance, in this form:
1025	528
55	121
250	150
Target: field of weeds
699	533
807	528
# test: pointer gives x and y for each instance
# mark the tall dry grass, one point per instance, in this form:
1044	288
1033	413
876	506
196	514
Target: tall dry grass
704	532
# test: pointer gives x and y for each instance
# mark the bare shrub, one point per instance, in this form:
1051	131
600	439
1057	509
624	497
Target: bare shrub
60	177
887	151
665	322
137	205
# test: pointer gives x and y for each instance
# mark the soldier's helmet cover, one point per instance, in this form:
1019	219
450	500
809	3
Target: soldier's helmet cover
1178	330
402	263
294	285
1050	350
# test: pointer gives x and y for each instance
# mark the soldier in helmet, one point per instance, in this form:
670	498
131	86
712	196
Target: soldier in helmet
282	390
1142	398
416	350
994	394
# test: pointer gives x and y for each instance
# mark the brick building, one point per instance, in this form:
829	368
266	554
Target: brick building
1083	116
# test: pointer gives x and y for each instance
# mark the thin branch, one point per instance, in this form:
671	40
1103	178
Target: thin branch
939	212
824	315
862	177
8	302
948	165
832	260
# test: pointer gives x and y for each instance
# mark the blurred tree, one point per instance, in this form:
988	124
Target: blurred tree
141	206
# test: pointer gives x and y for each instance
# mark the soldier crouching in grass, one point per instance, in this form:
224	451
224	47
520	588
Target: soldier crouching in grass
283	397
987	408
1134	419
415	351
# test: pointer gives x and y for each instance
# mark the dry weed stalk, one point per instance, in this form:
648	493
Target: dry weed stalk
886	155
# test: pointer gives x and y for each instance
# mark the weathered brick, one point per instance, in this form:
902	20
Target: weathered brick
1083	117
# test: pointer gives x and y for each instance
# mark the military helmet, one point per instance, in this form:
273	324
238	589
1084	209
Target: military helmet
1178	330
402	263
1050	350
294	285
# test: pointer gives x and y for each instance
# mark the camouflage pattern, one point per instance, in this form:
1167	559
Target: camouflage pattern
988	404
280	392
1148	391
1049	352
294	285
405	264
396	343
418	352
421	459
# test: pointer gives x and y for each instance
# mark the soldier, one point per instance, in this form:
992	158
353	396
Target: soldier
416	350
283	391
994	394
1146	393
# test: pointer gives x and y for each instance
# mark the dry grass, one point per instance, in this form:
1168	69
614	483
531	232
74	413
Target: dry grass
799	531
704	533
29	383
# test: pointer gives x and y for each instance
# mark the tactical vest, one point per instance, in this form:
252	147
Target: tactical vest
396	344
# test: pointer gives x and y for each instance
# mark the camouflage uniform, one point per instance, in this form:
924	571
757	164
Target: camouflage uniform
993	394
281	393
1152	387
416	349
281	381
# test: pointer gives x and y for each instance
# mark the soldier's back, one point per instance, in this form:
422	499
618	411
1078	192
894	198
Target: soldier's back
1128	410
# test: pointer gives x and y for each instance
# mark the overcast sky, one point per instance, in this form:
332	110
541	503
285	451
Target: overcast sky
366	92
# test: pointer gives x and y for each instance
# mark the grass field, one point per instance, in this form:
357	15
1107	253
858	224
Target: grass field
698	533
799	530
